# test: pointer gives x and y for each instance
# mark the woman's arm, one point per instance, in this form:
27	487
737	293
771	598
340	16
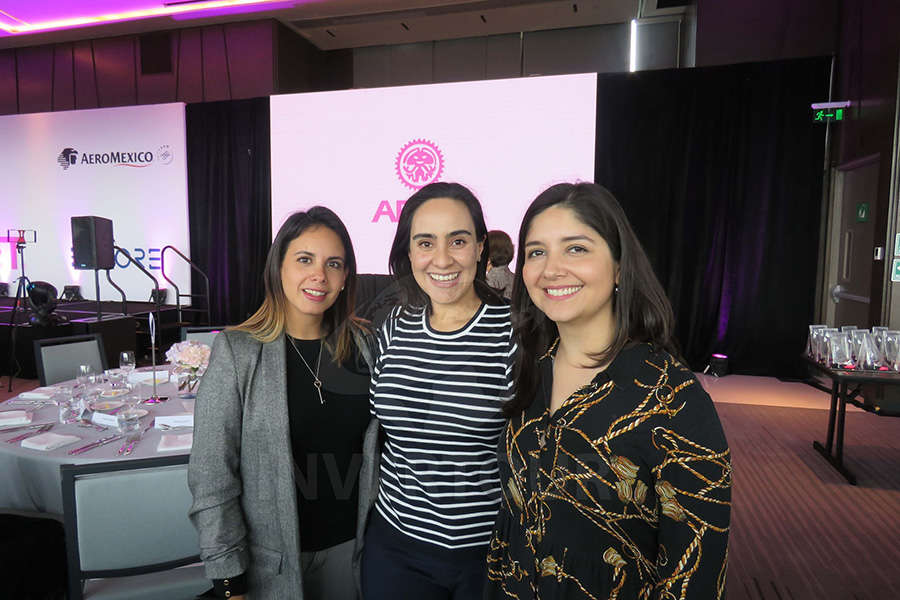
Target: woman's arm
692	480
214	472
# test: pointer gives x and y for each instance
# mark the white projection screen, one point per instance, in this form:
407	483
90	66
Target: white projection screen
125	164
363	152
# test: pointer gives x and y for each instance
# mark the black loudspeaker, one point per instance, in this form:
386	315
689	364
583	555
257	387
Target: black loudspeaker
92	243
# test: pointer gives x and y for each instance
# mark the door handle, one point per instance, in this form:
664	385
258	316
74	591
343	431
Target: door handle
839	293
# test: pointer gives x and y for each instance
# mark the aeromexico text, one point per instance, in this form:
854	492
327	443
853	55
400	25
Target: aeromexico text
116	158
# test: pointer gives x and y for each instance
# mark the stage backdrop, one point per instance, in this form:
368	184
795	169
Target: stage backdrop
363	152
126	164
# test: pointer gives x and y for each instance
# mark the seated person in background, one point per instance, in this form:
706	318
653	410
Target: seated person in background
499	276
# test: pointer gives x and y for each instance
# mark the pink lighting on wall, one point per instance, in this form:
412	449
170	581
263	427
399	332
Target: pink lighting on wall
14	25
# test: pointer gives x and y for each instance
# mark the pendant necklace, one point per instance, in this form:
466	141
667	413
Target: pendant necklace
316	381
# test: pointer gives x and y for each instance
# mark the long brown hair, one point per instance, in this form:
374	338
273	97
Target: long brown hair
339	320
641	309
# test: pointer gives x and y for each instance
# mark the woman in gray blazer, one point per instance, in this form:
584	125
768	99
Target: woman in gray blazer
282	464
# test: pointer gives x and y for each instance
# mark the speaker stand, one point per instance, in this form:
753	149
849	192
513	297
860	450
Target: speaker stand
97	288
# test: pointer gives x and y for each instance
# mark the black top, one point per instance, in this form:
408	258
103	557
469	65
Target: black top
624	491
327	440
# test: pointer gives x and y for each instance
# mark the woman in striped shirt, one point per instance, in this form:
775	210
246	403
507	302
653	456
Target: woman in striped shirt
438	387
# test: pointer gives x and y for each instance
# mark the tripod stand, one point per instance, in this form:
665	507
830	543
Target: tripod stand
21	290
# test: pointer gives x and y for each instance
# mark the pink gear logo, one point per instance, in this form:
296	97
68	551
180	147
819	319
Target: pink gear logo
419	163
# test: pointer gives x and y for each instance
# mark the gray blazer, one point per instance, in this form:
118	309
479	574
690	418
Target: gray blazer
241	469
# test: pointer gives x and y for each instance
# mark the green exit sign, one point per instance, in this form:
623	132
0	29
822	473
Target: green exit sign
828	112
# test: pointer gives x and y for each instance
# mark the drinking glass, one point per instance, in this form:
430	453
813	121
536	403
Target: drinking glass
823	353
70	408
810	340
878	333
869	357
126	362
85	375
848	328
892	349
839	347
856	337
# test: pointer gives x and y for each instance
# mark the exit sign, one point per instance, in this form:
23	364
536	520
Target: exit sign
828	112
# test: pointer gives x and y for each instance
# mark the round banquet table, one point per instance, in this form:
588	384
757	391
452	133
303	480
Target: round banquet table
29	479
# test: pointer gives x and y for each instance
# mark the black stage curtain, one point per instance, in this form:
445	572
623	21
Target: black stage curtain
720	172
229	203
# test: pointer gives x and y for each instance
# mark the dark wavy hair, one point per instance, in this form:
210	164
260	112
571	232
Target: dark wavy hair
411	294
641	310
267	323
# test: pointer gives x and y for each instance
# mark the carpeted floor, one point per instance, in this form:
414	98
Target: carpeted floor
799	530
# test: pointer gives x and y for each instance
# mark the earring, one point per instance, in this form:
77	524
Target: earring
616	289
342	288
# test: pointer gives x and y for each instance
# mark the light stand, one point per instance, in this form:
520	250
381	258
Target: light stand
21	290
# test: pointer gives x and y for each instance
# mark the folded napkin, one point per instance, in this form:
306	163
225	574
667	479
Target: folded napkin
49	441
15	417
184	420
173	441
41	393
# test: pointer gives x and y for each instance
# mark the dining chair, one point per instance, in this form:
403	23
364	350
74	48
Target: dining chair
58	359
128	535
204	335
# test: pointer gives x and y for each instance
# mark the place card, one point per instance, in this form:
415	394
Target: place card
183	420
104	419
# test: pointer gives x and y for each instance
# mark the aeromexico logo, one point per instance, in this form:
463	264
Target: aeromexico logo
70	157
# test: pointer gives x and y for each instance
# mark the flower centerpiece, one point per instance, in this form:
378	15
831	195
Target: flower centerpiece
191	358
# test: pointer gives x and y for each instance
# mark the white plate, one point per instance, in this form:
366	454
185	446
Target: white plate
141	412
102	405
115	393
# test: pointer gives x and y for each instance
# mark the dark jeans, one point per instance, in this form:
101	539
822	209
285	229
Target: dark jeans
398	567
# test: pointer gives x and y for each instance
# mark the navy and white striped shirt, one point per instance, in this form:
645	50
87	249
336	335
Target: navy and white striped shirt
439	396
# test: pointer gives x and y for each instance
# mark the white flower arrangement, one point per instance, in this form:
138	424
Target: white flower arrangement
189	357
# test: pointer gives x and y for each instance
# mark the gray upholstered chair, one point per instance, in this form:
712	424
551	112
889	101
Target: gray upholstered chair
204	335
58	359
128	535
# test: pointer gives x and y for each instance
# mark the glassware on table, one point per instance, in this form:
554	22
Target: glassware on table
115	377
70	408
823	352
130	416
839	351
869	356
127	362
892	349
878	333
810	340
85	375
848	328
855	339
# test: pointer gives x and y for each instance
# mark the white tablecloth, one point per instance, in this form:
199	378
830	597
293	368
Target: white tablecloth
29	479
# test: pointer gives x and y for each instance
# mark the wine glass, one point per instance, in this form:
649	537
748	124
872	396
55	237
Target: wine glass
85	375
126	362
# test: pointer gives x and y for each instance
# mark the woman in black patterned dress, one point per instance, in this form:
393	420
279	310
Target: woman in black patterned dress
616	474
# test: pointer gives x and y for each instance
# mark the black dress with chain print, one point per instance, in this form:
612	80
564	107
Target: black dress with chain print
624	492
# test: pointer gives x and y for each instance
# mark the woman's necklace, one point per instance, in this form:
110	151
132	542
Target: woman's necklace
316	381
